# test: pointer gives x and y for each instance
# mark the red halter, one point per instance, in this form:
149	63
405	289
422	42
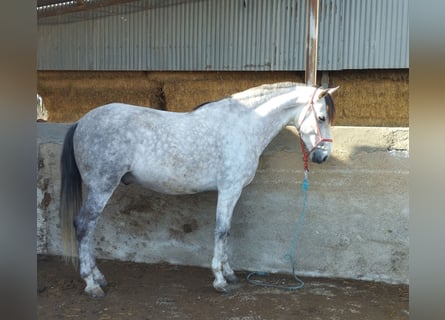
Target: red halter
320	139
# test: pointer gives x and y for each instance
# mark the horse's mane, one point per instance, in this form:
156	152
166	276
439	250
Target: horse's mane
258	95
202	105
255	96
330	108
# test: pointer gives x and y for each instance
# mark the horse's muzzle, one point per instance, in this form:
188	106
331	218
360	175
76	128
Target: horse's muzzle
319	156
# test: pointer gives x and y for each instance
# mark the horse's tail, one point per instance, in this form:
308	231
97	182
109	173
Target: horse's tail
70	197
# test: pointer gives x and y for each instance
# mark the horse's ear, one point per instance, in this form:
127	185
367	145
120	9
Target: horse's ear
324	92
332	90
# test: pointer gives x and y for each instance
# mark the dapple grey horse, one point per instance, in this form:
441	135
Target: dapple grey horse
215	147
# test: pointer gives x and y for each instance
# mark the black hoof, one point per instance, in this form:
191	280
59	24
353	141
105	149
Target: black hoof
232	279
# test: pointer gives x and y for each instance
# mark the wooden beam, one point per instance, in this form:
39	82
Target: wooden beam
311	42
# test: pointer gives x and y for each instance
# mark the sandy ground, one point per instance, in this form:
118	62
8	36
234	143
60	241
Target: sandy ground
162	291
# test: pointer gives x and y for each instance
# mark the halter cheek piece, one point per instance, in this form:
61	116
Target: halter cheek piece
320	139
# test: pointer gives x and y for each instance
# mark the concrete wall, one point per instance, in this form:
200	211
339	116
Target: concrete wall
356	220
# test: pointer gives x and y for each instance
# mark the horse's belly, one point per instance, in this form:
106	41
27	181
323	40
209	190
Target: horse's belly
174	183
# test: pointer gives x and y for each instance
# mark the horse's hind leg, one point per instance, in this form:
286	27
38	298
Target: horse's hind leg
85	223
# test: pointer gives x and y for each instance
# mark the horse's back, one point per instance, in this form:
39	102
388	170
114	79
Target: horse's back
115	114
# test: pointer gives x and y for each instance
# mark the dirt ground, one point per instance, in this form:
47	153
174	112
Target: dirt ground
162	291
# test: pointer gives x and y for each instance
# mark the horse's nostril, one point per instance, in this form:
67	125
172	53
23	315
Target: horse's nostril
319	157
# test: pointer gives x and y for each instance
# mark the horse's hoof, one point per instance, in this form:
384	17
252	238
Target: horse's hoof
221	287
102	282
224	290
96	292
232	278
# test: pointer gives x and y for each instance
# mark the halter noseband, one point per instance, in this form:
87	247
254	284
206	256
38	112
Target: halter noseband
320	139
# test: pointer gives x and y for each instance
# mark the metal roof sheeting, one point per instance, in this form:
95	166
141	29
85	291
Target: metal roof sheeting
227	35
375	34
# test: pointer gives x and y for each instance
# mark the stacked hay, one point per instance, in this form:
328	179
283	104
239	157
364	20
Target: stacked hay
371	98
184	94
69	95
365	98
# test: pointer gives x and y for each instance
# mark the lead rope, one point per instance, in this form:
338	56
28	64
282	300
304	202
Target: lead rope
290	256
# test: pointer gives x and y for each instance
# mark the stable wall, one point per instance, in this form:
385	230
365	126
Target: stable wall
356	222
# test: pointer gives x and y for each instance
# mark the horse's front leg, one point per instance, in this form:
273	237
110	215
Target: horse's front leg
220	264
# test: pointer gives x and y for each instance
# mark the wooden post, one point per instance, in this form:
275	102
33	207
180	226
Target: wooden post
311	42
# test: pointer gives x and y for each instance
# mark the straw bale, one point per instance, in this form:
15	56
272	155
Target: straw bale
365	98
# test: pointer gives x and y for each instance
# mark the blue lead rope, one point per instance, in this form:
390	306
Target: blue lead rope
289	256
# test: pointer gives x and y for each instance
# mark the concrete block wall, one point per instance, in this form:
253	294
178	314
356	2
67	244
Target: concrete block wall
356	222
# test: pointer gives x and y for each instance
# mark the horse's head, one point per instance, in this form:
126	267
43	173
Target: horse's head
313	125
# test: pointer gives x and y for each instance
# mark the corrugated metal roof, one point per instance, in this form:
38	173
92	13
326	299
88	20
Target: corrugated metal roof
226	35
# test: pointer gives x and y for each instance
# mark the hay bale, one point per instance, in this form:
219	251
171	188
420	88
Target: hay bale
69	95
185	95
365	98
371	98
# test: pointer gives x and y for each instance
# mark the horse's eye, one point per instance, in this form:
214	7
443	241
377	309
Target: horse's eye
322	118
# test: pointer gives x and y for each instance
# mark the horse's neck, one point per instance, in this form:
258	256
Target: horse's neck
274	115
